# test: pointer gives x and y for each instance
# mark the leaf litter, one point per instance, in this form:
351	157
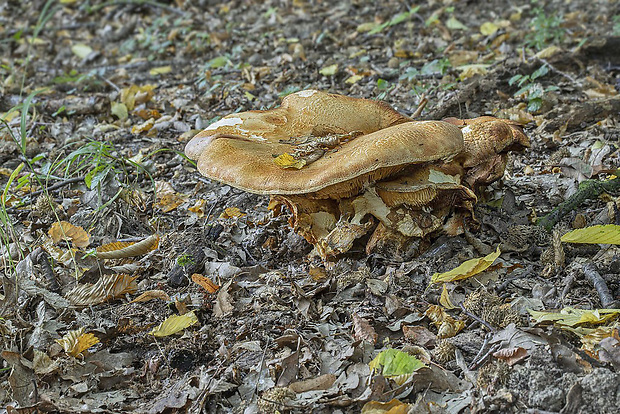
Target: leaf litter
242	319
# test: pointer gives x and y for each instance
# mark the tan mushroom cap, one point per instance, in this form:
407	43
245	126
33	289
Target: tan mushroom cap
308	112
487	136
243	156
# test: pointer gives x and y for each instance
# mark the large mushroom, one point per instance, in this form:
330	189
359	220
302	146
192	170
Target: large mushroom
344	166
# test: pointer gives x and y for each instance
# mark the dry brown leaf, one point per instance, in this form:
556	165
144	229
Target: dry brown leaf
199	208
363	331
322	382
152	294
119	250
108	287
511	356
75	342
66	231
205	282
223	305
419	335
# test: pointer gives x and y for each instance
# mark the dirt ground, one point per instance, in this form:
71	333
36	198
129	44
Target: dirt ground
97	101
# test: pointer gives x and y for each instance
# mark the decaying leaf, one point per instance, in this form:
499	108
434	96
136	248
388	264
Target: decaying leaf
575	317
75	342
108	287
446	325
362	330
419	335
393	363
512	356
152	294
119	250
66	231
205	282
174	324
444	299
322	382
467	269
600	234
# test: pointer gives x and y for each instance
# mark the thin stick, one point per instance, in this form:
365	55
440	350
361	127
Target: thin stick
592	274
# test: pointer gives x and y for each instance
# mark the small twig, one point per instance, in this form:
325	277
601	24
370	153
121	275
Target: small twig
592	274
525	273
559	72
56	186
476	318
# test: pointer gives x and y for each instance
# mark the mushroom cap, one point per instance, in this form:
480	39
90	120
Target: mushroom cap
487	136
239	149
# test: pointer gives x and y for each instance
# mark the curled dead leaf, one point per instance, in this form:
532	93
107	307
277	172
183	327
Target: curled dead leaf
75	342
119	250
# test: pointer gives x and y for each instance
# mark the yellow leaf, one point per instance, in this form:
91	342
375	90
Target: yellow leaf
467	71
353	79
162	70
143	127
444	300
75	342
66	231
488	28
288	161
573	317
329	70
547	52
467	269
81	50
601	234
231	212
119	109
174	324
391	407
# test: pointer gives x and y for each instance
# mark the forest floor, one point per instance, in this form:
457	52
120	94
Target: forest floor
97	101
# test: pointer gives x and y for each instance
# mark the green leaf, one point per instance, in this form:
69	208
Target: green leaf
514	79
393	362
540	72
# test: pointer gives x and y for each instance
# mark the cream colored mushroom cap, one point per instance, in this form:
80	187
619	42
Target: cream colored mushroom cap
248	163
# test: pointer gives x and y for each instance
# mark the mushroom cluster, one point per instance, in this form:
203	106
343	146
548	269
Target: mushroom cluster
347	167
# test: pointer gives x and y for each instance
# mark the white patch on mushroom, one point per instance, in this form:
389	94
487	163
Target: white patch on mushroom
438	177
224	122
307	93
466	129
